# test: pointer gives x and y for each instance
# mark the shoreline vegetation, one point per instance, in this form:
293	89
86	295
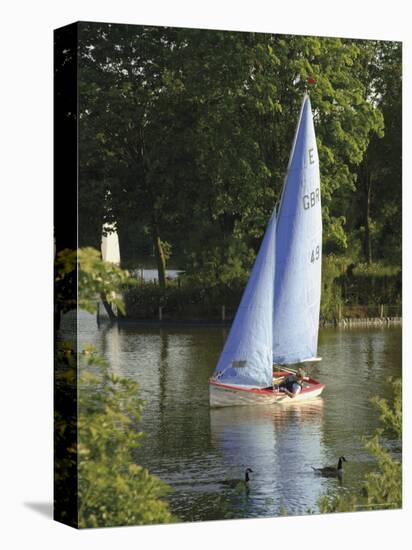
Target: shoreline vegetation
343	323
359	297
362	295
98	481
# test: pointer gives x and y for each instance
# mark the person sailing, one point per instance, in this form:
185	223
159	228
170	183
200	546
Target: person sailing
292	384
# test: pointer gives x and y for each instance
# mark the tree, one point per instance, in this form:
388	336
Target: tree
194	130
380	172
247	137
125	76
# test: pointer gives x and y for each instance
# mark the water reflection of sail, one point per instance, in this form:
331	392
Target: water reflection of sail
245	436
112	346
279	444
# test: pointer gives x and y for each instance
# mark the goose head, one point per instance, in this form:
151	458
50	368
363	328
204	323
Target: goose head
341	459
247	472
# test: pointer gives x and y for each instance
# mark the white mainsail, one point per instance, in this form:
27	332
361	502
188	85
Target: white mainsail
299	250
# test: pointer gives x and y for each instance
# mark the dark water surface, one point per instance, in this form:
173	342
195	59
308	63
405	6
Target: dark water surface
201	452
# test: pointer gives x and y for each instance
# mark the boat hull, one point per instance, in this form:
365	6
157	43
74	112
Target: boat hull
224	395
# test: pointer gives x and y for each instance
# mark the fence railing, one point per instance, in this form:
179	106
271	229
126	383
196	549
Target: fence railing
225	313
381	311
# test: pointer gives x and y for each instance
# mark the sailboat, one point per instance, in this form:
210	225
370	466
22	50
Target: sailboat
277	321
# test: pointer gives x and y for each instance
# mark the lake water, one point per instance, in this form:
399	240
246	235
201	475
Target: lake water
201	453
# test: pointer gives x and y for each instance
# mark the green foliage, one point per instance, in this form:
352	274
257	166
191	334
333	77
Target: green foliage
343	503
65	434
187	300
335	238
378	213
374	283
113	489
96	419
96	279
382	488
202	294
331	297
186	135
376	269
226	264
391	413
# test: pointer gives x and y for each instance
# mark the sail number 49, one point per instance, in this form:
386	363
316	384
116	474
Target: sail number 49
315	254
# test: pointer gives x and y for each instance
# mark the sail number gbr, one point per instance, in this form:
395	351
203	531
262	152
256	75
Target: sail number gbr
315	254
311	199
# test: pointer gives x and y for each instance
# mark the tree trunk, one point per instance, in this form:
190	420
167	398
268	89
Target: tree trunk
366	183
108	308
368	240
160	257
127	243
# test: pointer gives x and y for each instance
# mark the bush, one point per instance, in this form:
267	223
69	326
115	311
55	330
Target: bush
184	301
382	488
331	299
96	280
343	284
96	418
373	284
113	489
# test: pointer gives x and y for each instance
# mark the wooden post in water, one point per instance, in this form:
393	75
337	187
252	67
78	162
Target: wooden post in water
160	313
381	314
223	313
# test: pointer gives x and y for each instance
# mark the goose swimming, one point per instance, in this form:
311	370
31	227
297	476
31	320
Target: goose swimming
239	482
332	471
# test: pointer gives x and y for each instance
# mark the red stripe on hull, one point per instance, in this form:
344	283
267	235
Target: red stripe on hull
261	395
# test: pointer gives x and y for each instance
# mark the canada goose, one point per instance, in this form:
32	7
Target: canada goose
331	471
237	483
